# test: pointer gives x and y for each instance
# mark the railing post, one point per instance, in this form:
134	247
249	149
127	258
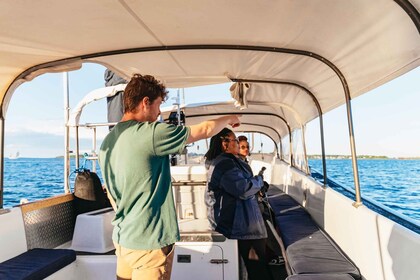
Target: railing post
66	132
358	200
1	158
324	162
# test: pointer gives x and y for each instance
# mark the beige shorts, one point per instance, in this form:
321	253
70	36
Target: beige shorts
144	264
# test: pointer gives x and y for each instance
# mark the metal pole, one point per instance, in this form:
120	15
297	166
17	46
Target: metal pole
304	149
324	162
94	150
281	148
183	96
290	149
358	201
178	109
2	159
252	142
66	132
77	147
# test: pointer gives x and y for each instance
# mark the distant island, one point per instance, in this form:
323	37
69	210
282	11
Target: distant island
309	156
359	157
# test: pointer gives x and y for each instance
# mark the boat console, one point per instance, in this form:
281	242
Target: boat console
200	249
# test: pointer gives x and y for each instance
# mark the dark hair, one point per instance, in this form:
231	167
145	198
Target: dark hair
216	141
140	87
242	138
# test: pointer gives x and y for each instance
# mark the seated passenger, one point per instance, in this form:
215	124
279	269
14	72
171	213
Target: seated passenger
232	204
243	148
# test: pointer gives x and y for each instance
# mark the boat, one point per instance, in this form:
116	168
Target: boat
289	63
14	155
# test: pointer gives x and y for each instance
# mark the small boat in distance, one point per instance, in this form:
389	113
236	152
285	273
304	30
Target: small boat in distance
14	155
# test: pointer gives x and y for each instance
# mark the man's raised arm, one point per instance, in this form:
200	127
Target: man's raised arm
210	128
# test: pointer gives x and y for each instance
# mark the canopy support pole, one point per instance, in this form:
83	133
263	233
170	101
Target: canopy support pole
281	148
66	132
291	149
304	150
94	154
2	159
358	201
77	147
324	162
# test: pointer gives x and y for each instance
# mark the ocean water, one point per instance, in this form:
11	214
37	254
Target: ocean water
391	182
35	178
394	183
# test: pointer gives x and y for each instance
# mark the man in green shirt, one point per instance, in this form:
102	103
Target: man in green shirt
134	160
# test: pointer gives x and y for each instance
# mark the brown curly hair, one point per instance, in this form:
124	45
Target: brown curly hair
140	87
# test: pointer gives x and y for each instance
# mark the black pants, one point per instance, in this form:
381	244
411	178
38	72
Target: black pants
253	252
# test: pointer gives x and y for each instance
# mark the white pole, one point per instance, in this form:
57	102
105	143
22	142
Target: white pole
66	132
183	96
94	150
178	102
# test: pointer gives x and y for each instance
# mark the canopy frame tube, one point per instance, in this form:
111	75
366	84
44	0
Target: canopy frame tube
252	113
266	126
318	107
411	12
2	122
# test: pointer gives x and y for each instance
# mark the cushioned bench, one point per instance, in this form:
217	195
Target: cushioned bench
308	248
320	277
36	264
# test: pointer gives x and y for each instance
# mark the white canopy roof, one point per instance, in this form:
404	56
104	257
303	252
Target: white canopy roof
320	45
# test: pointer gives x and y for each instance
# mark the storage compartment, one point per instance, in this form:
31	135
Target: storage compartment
205	256
189	201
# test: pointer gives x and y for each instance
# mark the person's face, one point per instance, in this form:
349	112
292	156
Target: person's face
232	144
244	148
152	109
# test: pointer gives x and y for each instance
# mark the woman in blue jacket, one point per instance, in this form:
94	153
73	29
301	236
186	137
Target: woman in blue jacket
232	203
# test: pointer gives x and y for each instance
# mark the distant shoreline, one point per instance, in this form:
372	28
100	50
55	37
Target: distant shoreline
331	157
361	157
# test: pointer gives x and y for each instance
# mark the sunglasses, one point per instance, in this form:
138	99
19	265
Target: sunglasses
231	139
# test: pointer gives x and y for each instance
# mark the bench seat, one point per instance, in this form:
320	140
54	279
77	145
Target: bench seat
36	264
308	248
334	276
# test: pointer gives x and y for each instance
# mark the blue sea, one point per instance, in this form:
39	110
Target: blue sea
394	183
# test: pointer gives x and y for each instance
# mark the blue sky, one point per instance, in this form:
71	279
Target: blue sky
386	120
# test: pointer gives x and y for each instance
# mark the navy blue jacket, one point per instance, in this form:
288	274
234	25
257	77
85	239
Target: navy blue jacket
231	199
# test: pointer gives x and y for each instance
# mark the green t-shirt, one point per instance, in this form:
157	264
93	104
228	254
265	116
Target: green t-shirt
135	166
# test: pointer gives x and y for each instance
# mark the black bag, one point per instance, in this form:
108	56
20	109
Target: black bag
88	193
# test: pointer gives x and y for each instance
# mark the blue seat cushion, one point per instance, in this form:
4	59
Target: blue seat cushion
317	253
333	276
295	228
280	201
36	264
309	249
